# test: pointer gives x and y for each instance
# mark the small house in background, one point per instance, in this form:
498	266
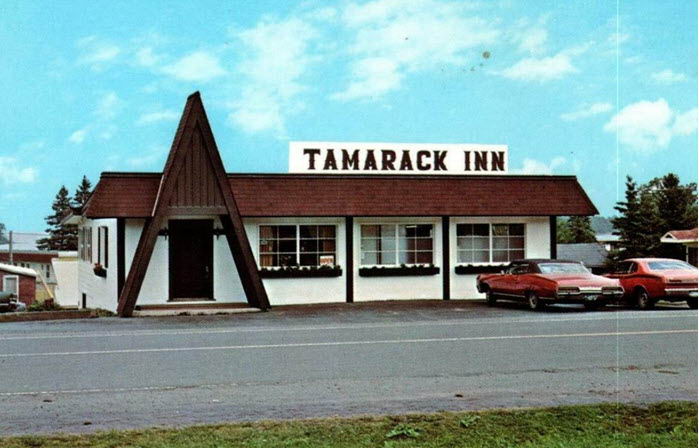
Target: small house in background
26	254
688	238
19	281
609	241
593	255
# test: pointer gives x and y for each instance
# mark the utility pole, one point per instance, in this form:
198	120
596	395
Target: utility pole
10	254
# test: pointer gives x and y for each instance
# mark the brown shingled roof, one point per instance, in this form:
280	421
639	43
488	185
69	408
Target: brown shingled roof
131	195
684	235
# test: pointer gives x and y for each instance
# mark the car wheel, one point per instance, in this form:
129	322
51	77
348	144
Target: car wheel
490	298
643	300
692	303
534	303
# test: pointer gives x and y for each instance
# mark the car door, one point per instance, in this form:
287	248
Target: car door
520	280
625	273
500	284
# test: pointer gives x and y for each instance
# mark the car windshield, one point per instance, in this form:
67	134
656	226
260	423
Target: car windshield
562	268
667	265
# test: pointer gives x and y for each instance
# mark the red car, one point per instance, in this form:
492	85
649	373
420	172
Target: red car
541	282
647	280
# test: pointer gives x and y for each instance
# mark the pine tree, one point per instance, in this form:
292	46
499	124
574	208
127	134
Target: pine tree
627	224
650	226
61	237
82	193
580	230
563	235
677	203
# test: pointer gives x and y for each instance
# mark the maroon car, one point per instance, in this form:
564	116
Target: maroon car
647	280
540	282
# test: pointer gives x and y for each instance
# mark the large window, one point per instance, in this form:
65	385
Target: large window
103	246
85	243
489	243
297	245
10	283
396	244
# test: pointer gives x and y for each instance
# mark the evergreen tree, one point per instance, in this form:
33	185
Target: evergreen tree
650	226
677	203
627	224
82	193
61	237
580	230
563	235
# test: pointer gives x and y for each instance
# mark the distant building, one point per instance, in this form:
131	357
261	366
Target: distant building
592	255
608	240
688	238
19	281
26	254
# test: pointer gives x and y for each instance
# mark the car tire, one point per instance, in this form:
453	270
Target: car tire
490	299
534	303
692	303
643	300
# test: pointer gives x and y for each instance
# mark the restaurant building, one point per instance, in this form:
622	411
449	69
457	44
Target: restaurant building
345	225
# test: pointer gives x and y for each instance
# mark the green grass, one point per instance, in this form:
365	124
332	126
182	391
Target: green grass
667	424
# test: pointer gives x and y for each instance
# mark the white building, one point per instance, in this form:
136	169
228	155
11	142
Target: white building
196	237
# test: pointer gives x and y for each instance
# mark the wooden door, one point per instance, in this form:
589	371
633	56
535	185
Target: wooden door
191	257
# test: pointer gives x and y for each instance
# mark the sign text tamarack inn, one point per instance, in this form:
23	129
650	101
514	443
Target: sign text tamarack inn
396	158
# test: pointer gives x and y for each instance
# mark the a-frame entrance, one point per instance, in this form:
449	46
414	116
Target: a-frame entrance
191	259
194	183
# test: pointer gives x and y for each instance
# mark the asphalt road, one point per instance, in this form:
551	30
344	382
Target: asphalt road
87	375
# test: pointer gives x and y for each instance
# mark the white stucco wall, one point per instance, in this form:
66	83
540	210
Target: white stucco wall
155	289
67	291
398	288
100	292
536	245
286	291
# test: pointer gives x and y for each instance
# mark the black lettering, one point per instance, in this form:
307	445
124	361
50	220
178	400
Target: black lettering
420	165
350	162
439	160
497	161
481	161
406	164
330	163
387	159
312	153
370	161
467	160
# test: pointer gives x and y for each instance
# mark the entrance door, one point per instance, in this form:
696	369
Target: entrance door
191	259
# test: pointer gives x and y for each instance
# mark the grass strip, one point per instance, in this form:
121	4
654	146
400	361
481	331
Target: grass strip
659	425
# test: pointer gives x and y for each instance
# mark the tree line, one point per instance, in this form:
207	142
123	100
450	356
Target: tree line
647	212
62	236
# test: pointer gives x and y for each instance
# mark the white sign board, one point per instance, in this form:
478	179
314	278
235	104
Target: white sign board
396	158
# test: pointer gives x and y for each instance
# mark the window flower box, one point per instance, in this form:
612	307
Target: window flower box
99	270
301	272
465	269
398	271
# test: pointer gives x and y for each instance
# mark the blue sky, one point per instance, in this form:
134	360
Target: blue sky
99	86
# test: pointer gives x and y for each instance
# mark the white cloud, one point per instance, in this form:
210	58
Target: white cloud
108	106
393	38
158	116
667	76
648	126
541	69
97	53
532	166
587	110
13	172
146	57
199	66
275	57
78	136
530	37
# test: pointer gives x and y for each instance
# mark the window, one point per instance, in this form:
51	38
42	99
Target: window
297	245
103	246
395	244
85	244
489	243
10	283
